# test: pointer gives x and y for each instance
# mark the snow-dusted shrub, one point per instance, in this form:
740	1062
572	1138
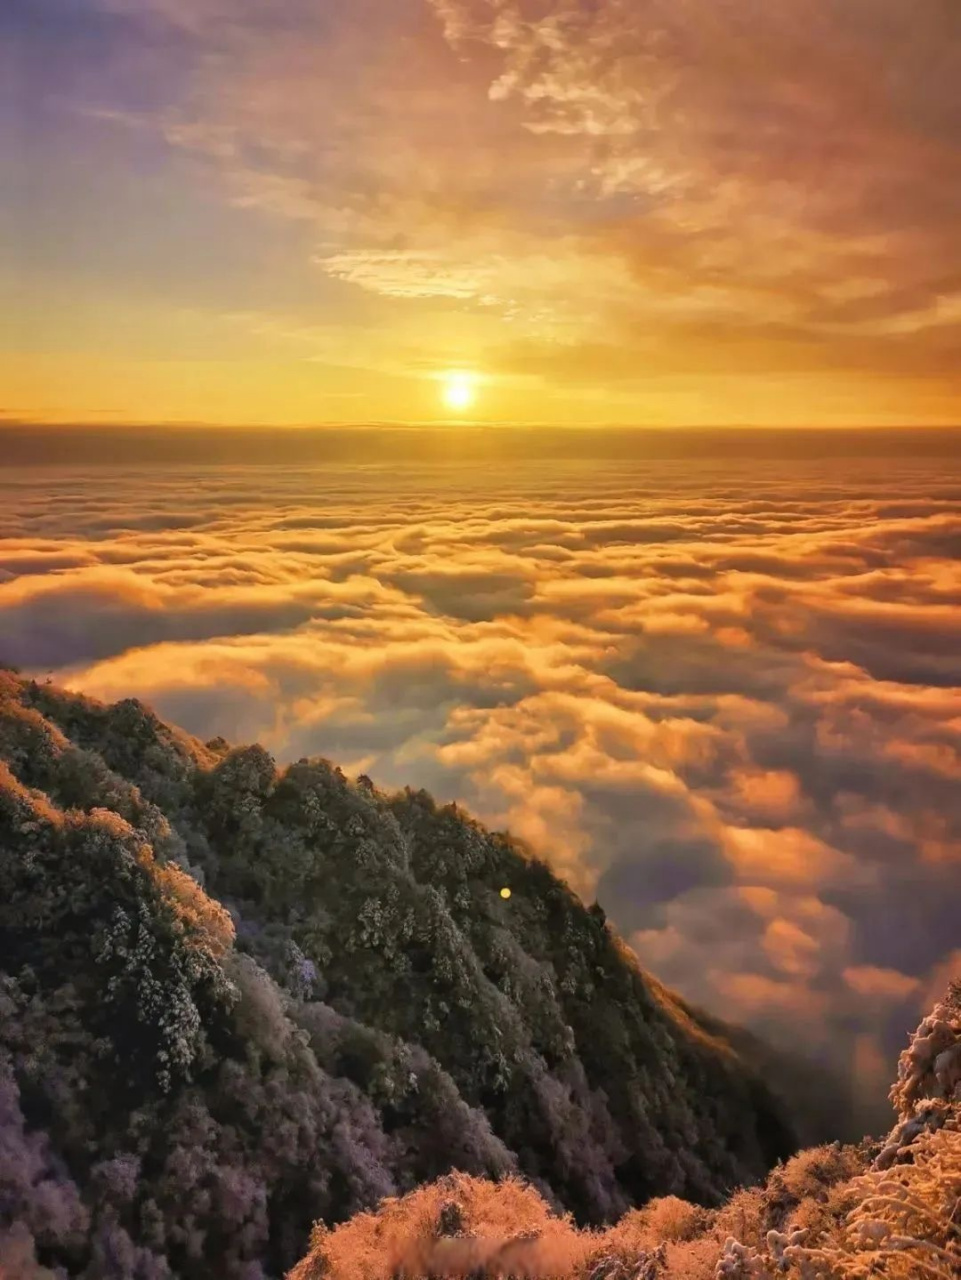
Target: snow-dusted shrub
904	1225
458	1226
664	1220
929	1079
930	1067
811	1173
908	1222
742	1217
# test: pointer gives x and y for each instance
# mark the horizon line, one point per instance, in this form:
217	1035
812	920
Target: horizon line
458	424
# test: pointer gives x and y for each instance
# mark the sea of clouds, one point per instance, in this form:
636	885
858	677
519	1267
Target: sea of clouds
722	697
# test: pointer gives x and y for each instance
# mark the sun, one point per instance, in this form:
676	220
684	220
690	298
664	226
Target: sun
460	391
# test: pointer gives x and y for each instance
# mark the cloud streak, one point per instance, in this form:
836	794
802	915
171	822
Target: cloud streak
789	176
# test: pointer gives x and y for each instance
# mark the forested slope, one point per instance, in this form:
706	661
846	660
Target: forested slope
236	999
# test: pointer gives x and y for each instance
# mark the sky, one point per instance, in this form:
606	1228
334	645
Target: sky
657	212
721	696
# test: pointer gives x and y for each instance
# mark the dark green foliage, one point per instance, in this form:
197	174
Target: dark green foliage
382	1017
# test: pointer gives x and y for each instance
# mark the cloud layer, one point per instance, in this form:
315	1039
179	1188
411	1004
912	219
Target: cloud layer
724	698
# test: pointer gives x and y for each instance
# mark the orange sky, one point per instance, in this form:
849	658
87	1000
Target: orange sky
625	211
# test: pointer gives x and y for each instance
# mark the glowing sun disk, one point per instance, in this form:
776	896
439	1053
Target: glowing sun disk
460	391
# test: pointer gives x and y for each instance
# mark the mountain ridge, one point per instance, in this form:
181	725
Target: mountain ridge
332	1004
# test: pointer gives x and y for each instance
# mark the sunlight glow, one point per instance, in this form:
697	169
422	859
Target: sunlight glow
460	391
